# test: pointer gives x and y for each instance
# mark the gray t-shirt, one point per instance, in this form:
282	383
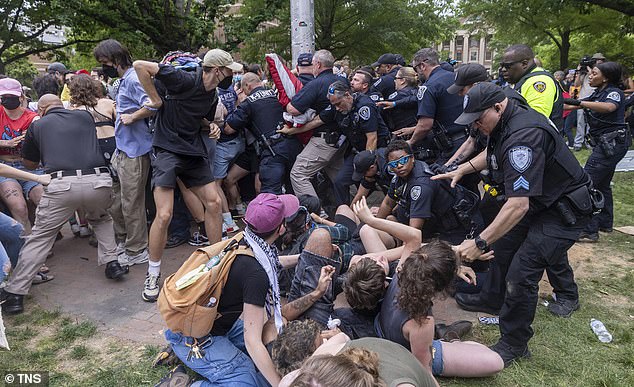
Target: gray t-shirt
63	140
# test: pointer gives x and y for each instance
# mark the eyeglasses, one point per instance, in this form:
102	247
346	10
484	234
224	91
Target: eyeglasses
506	65
402	161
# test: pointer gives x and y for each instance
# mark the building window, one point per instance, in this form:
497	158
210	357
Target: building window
458	56
460	41
473	57
488	55
446	45
474	42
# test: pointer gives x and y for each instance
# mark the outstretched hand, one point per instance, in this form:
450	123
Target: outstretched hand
454	176
362	210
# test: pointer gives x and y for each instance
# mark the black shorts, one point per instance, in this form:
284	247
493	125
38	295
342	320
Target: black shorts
248	160
193	171
350	224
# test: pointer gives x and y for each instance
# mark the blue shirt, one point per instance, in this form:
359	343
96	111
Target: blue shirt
314	94
435	102
135	139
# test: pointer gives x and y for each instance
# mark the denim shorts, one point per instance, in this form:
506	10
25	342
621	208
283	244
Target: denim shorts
226	153
437	365
26	185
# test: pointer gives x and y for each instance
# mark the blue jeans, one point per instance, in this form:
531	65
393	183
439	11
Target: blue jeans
225	361
569	122
10	232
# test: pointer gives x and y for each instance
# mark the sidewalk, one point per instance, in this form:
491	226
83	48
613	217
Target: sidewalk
81	289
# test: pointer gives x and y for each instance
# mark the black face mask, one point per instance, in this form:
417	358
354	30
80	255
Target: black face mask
226	82
110	71
11	102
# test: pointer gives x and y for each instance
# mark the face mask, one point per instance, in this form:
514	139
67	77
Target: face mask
11	102
226	82
110	71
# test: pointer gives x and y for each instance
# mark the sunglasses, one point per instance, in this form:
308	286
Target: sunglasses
402	161
507	65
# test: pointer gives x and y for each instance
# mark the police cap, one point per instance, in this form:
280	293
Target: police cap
362	162
481	97
386	59
466	75
305	59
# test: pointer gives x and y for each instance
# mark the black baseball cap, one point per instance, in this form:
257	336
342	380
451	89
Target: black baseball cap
386	59
481	97
362	162
466	75
305	59
57	67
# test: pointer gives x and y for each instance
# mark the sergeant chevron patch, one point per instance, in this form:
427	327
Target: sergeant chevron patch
520	183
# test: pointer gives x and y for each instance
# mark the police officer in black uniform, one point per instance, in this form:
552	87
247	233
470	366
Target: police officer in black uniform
361	82
360	124
261	113
401	107
387	65
437	109
447	212
605	111
370	170
548	202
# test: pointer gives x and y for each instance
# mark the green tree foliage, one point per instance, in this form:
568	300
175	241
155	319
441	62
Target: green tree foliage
359	30
543	22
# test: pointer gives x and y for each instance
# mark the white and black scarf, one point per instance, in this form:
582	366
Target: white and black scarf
266	255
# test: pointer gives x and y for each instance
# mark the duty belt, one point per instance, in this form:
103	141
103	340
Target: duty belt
79	172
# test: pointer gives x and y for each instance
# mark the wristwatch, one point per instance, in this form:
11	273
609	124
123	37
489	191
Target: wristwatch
481	244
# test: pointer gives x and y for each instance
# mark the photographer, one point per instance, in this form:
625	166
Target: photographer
608	134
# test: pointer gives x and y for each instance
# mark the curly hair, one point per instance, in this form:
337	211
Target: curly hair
294	345
46	84
428	271
84	90
364	285
398	145
341	370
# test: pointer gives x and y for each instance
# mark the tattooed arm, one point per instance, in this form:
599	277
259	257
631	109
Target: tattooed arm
296	308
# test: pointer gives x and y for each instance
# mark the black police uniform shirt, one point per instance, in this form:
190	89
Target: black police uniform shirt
530	159
364	117
314	95
601	123
185	105
435	102
383	177
305	78
403	114
63	140
418	196
386	85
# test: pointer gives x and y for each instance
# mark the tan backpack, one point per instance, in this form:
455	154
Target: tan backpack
193	309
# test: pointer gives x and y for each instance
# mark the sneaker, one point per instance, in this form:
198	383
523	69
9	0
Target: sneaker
563	308
606	229
114	270
198	239
165	357
84	232
454	331
74	227
230	228
177	377
586	237
510	354
131	260
174	241
323	214
238	212
151	289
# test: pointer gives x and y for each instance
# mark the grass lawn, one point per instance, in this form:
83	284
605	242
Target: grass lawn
565	351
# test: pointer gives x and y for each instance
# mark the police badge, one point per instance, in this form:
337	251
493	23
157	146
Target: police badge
364	113
539	86
614	96
421	92
520	158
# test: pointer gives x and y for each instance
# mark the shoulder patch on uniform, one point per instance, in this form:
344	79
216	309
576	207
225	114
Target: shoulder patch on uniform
364	113
421	92
377	82
539	86
328	108
521	183
393	95
415	192
520	158
614	96
374	97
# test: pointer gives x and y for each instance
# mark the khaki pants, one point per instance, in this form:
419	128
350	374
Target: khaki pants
93	194
128	209
317	155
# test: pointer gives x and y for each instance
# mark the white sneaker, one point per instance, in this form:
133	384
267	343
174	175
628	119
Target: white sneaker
230	228
74	227
151	288
84	232
127	260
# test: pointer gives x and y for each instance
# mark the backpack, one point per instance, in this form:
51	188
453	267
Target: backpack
193	309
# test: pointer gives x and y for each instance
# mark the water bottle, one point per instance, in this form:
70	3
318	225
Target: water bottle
599	329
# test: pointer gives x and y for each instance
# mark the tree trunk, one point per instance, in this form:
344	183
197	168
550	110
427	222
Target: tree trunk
564	50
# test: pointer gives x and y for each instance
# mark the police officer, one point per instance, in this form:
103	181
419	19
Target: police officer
261	113
387	65
361	82
437	109
79	180
401	107
449	212
604	111
370	169
534	83
360	125
548	202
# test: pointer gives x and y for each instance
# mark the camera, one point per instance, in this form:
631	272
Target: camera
586	62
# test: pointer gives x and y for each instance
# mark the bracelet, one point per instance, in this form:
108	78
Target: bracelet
474	168
393	104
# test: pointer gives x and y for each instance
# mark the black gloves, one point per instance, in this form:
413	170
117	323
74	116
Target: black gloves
572	101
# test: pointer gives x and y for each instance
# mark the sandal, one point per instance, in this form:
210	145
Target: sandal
40	278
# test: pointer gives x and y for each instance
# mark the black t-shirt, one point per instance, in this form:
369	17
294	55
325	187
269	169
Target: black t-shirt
435	102
184	106
247	283
63	140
